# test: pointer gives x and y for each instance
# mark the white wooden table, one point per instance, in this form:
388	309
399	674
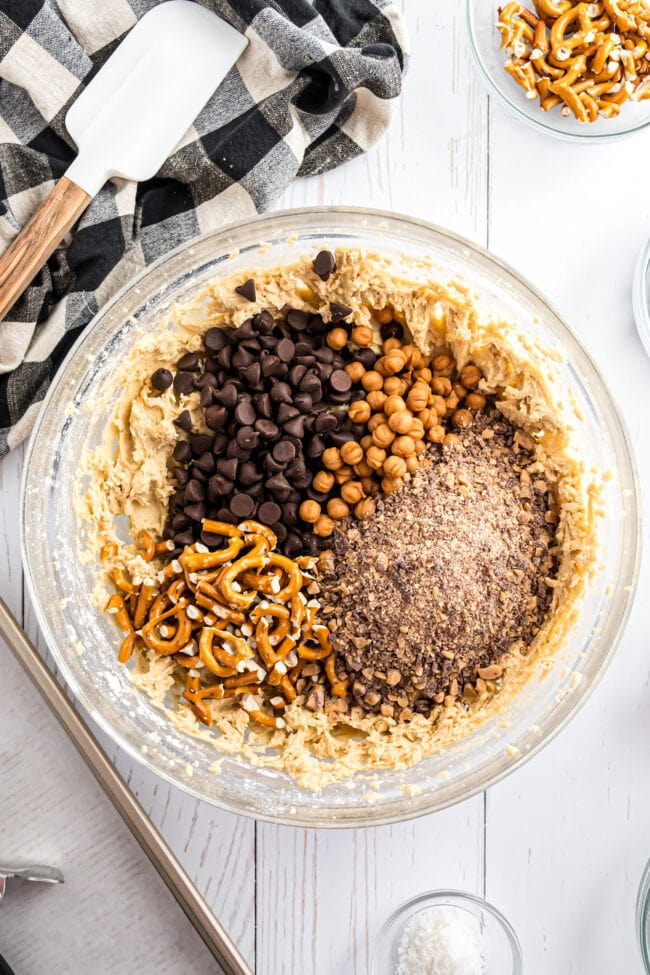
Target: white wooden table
561	844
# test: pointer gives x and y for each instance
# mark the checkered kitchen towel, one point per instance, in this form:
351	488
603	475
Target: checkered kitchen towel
316	85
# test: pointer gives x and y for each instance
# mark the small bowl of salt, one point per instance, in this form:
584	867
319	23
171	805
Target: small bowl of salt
447	932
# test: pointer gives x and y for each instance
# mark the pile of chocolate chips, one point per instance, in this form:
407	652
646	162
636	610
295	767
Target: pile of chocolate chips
274	396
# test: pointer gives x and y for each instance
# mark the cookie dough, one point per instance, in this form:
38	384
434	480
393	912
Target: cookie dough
128	476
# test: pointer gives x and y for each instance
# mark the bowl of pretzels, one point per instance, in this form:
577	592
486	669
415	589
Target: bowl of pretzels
579	71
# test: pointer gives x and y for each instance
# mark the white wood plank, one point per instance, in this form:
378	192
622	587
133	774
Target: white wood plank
567	835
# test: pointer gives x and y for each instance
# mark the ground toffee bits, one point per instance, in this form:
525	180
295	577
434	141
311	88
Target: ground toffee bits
425	599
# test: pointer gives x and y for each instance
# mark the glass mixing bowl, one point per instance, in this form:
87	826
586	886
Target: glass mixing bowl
75	414
485	42
499	945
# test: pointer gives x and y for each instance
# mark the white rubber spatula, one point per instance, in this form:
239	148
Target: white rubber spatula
127	121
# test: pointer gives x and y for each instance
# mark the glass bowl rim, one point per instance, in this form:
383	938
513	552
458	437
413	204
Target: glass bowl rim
510	104
641	296
579	695
440	898
643	917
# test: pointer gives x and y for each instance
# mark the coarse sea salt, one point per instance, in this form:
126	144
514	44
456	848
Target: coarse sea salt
441	941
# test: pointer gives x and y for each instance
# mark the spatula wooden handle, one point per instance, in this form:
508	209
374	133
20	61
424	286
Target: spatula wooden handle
27	254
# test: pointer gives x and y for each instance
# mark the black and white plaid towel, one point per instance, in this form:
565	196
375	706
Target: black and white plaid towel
316	85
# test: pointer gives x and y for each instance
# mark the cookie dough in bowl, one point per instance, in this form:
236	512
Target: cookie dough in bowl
340	480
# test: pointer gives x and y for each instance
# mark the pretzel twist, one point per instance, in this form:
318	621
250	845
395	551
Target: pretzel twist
247	644
589	58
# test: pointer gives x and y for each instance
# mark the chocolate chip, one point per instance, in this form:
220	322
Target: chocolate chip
280	531
252	374
184	421
235	449
340	381
324	264
339	312
366	357
269	512
298	320
200	442
245	413
305	346
182	475
247	290
224	357
184	538
339	437
293	545
194	491
319	496
270	363
206	397
180	521
284	452
182	452
198	474
279	486
219	486
205	463
242	358
281	393
245	331
248	474
183	383
189	362
211	539
196	511
215	339
285	350
304	402
340	398
267	428
310	381
242	505
264	322
162	380
392	330
228	467
216	417
263	405
325	423
315	447
286	411
296	470
227	396
248	438
290	513
295	427
296	373
317	326
219	443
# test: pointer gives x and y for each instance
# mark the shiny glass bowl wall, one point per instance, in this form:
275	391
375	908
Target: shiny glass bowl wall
74	417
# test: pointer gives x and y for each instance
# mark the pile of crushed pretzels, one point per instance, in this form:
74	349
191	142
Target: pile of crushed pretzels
588	58
240	620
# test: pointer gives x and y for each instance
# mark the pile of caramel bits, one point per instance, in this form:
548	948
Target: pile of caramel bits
406	402
590	58
240	620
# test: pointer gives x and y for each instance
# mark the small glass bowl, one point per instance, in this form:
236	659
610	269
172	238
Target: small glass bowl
643	918
499	944
485	41
641	296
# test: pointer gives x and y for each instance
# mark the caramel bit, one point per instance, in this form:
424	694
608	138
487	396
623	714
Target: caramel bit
425	598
